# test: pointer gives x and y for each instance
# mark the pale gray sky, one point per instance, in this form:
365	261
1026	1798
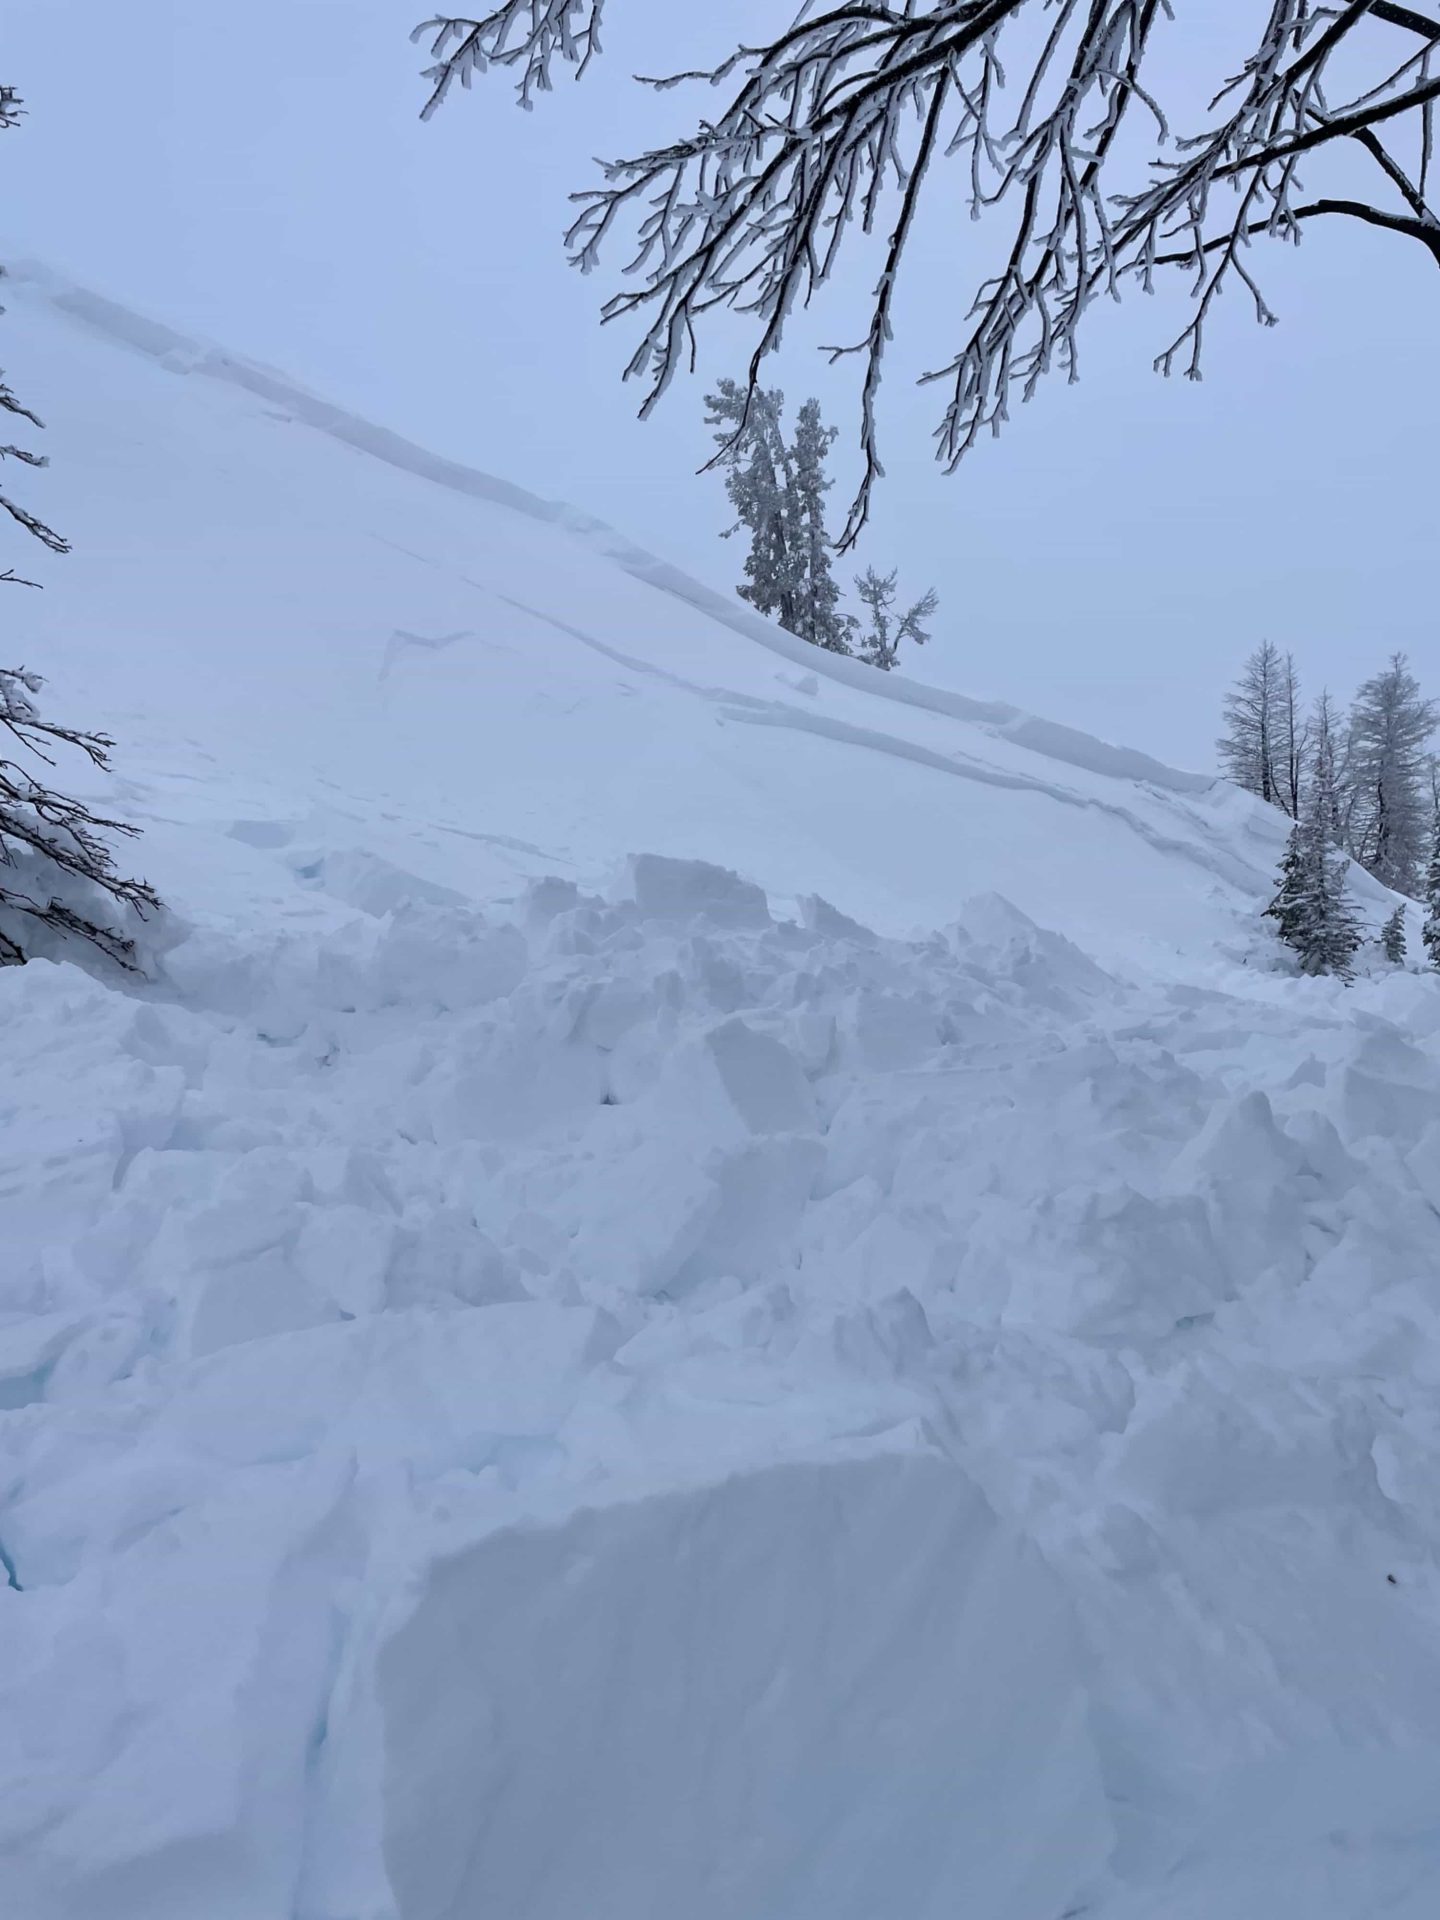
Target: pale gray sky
258	175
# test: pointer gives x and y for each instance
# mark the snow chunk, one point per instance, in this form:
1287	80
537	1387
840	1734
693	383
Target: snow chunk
1051	970
266	1296
695	1647
739	1081
450	958
827	921
665	889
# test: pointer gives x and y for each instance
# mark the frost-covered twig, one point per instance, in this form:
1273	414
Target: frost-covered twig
524	34
833	128
46	838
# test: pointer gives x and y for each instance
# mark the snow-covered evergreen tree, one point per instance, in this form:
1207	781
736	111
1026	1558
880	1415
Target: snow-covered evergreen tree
1392	937
879	640
777	488
1390	727
817	615
1333	934
1430	933
1288	909
759	482
1252	747
1312	907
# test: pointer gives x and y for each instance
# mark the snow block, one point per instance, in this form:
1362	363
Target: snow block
819	917
1052	971
1389	1090
665	889
758	1080
821	1691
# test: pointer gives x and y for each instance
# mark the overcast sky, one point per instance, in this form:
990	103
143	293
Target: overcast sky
258	174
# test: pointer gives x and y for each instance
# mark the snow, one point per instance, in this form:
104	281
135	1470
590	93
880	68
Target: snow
692	1289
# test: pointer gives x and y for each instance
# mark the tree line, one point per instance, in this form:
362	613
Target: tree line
1360	786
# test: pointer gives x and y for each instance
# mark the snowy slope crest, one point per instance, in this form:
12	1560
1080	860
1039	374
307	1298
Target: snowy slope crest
536	1383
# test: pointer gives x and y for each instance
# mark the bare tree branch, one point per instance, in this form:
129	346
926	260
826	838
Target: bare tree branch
50	840
846	110
1408	18
46	834
1425	232
528	34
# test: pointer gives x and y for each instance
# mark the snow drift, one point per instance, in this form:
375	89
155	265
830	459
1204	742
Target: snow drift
614	1332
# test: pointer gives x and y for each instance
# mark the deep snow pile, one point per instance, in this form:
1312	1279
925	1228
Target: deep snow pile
544	1384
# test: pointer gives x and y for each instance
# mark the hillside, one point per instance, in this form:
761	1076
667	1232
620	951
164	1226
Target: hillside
702	1283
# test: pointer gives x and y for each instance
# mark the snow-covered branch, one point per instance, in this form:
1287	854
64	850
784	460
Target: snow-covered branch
832	129
47	837
524	35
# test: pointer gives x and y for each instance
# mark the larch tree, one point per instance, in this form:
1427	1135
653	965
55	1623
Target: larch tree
57	870
1328	760
881	634
1253	748
1294	740
1391	724
1070	128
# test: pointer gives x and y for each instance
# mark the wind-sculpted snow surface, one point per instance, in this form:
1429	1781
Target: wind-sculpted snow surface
544	1376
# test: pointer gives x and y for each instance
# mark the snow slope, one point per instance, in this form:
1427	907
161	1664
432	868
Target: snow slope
614	1333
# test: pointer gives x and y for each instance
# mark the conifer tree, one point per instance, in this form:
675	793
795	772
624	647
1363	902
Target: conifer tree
1430	934
1288	908
1325	765
1333	933
817	614
777	487
1390	726
1392	937
1294	741
1251	747
758	481
1312	908
880	640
